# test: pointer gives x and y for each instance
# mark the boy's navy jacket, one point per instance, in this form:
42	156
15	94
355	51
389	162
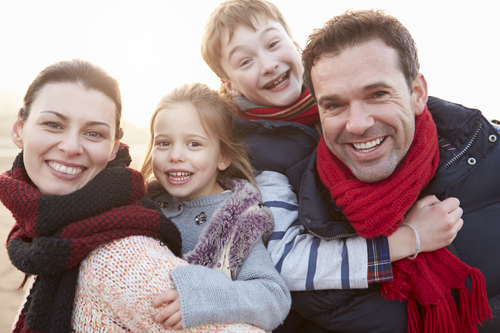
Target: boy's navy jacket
469	169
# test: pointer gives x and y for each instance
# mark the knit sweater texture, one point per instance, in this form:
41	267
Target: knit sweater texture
118	282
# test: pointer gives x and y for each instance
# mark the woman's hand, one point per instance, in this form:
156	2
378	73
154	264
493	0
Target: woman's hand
437	223
170	316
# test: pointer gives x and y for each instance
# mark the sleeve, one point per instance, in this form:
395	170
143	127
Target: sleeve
307	262
118	283
379	260
258	297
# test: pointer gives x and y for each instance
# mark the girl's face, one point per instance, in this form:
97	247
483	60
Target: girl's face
68	138
186	159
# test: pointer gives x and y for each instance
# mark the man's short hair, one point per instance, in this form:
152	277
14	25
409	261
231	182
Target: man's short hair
357	27
228	16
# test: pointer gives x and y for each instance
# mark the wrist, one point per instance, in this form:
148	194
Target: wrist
417	241
401	243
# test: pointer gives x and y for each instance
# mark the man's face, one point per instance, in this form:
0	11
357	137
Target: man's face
366	108
263	65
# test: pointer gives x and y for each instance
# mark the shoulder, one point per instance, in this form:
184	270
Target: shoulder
276	145
132	255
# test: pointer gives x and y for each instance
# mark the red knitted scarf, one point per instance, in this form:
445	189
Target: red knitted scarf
376	209
53	234
304	111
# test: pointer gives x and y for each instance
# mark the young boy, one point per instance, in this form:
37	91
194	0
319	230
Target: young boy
250	47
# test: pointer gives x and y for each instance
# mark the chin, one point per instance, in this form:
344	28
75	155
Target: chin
57	191
372	176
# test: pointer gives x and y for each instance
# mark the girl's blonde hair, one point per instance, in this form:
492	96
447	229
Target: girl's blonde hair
217	119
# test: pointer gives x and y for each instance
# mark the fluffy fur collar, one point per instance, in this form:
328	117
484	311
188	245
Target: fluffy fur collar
239	221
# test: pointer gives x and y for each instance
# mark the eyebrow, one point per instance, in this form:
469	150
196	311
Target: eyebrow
191	135
375	85
368	87
66	118
241	46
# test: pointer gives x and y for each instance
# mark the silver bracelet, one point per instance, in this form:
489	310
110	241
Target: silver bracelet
417	242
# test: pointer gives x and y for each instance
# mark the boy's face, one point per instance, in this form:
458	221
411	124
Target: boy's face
264	65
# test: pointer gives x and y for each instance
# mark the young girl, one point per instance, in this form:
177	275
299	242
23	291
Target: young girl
204	183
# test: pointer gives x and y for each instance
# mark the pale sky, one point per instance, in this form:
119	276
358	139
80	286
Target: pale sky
152	46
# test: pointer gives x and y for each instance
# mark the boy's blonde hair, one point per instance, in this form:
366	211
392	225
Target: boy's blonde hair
228	16
217	119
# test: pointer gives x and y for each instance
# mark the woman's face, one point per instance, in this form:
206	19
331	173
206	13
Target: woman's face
68	138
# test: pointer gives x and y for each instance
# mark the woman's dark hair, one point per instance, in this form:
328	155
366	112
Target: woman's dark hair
79	71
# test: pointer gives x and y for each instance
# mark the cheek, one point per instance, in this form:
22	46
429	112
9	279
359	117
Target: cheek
330	127
101	157
155	161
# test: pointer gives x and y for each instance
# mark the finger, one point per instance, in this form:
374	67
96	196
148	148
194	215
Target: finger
165	297
458	225
450	204
173	321
179	326
163	315
428	200
456	214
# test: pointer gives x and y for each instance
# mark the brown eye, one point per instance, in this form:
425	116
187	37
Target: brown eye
52	124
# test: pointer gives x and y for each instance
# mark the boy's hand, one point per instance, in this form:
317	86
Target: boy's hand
170	316
437	223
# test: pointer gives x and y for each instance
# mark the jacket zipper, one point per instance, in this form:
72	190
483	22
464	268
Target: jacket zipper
456	157
331	238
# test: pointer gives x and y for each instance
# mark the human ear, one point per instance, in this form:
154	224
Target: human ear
16	132
230	89
299	50
114	151
420	94
224	162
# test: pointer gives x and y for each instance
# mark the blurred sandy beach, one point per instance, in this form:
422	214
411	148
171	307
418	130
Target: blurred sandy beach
11	278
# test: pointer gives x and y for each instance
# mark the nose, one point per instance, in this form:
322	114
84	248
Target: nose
71	146
176	155
359	118
268	64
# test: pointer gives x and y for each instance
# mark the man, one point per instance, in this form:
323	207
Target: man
380	152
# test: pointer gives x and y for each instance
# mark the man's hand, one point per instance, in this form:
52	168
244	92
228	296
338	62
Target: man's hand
437	223
170	316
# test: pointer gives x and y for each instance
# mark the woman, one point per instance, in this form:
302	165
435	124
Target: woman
76	203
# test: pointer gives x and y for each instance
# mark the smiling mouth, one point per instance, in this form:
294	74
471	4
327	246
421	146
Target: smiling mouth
64	169
279	82
179	175
367	147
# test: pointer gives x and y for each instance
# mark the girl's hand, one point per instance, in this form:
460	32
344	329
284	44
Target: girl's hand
437	223
170	316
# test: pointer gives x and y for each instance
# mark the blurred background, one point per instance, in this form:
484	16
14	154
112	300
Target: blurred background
152	46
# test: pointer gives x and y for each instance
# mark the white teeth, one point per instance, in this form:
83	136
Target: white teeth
368	146
278	83
179	175
64	169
